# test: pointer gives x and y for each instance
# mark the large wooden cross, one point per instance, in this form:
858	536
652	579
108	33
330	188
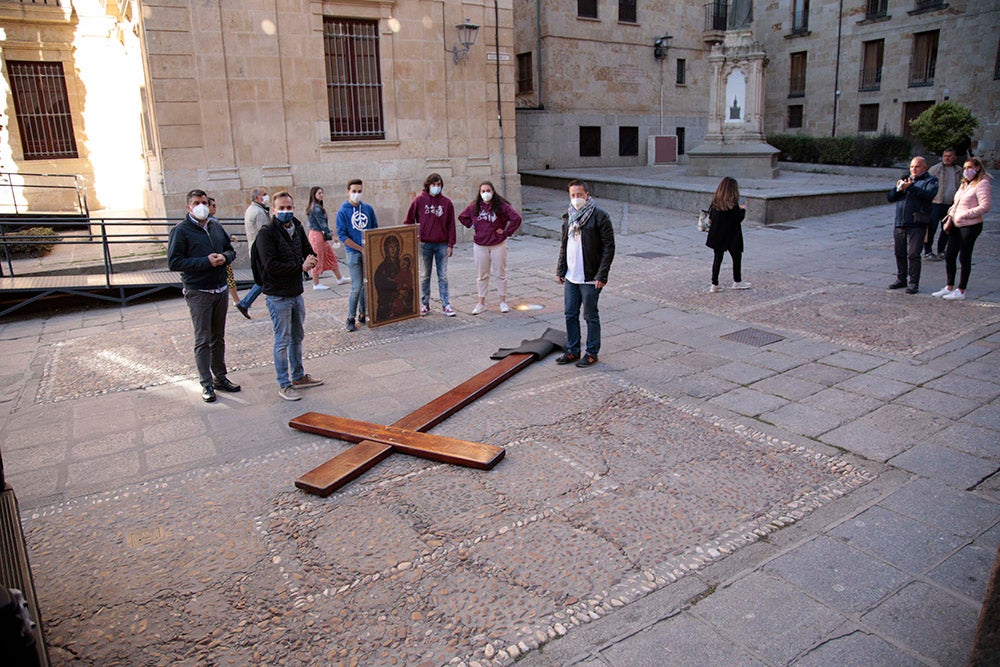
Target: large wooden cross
375	442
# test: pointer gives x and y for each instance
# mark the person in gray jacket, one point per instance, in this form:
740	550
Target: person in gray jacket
949	175
912	195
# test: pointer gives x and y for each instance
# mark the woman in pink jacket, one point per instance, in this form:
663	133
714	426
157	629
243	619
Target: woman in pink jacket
972	202
493	220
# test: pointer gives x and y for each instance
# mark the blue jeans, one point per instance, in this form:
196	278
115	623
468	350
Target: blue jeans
438	254
250	296
356	302
288	316
573	296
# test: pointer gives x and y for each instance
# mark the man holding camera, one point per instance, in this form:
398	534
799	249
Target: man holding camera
912	195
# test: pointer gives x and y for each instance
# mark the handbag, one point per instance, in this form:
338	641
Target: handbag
947	223
704	221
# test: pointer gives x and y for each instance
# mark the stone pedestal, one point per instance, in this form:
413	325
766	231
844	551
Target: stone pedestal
735	144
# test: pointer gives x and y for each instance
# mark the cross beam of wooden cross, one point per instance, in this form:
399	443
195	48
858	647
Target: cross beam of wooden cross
406	435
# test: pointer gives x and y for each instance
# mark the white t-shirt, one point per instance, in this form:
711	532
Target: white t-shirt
574	259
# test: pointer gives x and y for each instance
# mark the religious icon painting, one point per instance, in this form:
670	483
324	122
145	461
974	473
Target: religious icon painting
391	274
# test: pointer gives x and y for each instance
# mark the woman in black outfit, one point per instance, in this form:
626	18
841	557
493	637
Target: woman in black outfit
725	233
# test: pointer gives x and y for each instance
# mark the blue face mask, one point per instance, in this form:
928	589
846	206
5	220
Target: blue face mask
435	190
284	217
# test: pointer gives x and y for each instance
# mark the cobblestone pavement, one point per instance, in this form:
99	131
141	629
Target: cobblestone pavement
783	475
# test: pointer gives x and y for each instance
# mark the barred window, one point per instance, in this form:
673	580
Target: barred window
626	11
353	78
41	106
868	118
590	141
794	116
586	9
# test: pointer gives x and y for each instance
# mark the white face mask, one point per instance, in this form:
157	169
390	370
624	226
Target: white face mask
354	197
487	196
200	212
969	174
435	190
577	202
265	200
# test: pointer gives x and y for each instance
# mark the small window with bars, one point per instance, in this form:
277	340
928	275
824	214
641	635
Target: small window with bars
353	78
868	118
586	9
794	116
681	72
41	106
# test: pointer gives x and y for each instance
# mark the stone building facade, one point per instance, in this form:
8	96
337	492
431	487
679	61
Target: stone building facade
879	64
295	93
592	85
589	77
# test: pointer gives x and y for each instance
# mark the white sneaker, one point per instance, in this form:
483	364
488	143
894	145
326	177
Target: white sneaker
448	310
955	295
742	285
343	279
944	291
480	308
320	286
715	288
289	393
504	308
424	310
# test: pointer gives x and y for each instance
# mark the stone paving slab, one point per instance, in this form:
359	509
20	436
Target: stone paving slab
438	562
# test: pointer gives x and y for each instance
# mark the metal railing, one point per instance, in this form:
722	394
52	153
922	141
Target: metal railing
716	15
870	79
876	9
922	73
42	194
107	233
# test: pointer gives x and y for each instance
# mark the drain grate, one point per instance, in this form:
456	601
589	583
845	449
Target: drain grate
754	337
782	227
649	254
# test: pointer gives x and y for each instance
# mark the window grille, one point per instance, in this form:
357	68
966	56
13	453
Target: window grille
353	79
41	106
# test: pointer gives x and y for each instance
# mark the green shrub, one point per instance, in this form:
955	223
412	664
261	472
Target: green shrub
19	245
862	151
945	125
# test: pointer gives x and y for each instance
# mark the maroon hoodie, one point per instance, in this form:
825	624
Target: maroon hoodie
435	217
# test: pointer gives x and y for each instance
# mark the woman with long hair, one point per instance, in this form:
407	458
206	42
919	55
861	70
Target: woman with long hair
972	202
492	220
319	238
725	232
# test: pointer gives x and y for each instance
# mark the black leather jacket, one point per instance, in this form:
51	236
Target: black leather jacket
598	239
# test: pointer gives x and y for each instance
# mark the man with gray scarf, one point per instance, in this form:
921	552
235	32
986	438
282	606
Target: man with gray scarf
586	250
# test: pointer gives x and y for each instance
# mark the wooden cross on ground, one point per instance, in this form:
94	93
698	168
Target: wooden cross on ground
407	435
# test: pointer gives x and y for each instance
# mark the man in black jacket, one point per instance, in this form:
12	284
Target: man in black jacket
280	255
585	254
200	249
913	196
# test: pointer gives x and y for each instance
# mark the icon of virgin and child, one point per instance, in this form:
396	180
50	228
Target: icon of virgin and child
393	281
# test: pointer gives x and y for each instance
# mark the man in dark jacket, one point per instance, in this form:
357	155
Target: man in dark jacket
280	255
586	251
913	196
200	249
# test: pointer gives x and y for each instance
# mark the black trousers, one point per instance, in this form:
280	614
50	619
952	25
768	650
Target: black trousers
960	243
717	264
908	241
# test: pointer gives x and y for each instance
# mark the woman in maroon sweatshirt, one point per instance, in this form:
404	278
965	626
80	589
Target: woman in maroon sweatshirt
435	215
492	220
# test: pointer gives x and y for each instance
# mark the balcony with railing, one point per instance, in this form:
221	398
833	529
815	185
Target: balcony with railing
922	73
800	22
716	19
876	10
870	79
